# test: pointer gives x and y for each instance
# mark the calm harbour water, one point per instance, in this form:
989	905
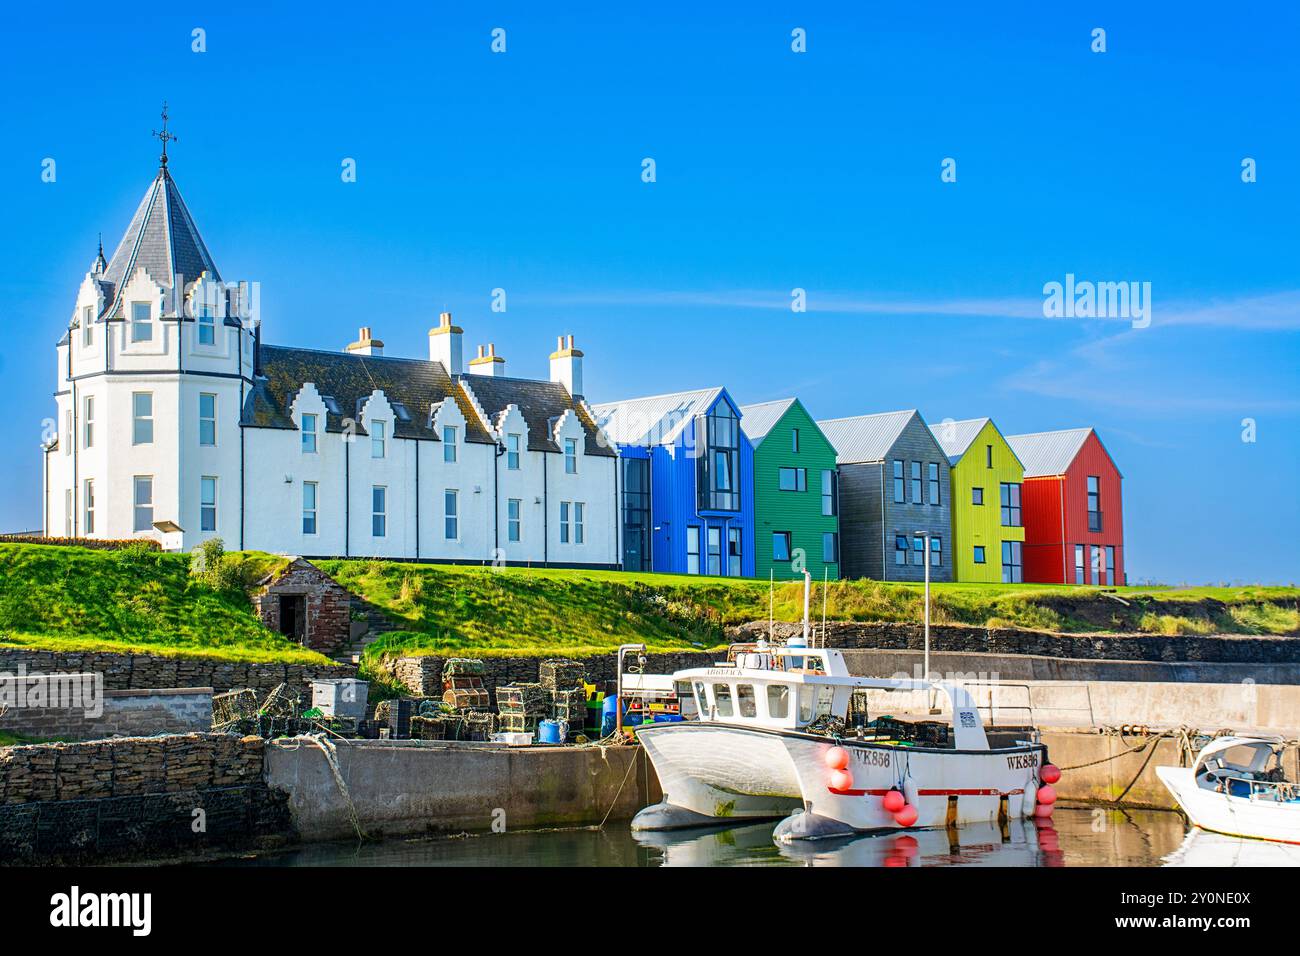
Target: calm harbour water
1076	837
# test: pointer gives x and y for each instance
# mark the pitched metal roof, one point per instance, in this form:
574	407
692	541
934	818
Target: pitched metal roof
760	418
955	437
162	239
1048	453
866	437
540	403
349	378
656	419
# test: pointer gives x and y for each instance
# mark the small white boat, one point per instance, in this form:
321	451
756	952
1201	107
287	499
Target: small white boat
1236	786
764	746
1201	848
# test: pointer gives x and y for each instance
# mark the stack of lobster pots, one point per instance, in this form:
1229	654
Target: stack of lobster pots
562	681
462	685
521	708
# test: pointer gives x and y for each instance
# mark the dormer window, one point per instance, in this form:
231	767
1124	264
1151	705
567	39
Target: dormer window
400	411
88	326
378	431
207	326
309	434
449	443
141	322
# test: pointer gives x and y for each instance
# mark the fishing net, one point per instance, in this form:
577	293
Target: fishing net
463	667
560	674
233	705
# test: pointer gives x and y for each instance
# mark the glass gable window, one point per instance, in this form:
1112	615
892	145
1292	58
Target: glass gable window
830	492
1012	570
780	545
899	493
309	434
141	322
718	468
142	418
379	511
1011	505
636	514
1094	503
793	479
207	418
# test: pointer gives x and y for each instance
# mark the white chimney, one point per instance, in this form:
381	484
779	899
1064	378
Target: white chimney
566	366
444	345
366	344
488	363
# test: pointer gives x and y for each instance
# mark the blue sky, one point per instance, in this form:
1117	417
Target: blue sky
775	171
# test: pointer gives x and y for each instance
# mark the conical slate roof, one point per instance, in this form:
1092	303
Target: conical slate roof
162	239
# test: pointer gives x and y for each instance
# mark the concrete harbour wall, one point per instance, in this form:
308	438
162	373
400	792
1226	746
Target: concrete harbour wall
407	787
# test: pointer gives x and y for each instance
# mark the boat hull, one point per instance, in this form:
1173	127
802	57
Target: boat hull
1233	816
765	772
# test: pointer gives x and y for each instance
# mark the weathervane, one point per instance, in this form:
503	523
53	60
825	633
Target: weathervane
164	135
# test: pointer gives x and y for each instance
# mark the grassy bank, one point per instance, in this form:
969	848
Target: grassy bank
76	599
444	609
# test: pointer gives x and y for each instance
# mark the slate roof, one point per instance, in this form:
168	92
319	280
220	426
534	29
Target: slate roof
656	419
349	379
541	404
866	437
1048	453
760	419
163	239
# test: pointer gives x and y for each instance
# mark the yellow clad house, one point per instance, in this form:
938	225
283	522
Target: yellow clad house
988	530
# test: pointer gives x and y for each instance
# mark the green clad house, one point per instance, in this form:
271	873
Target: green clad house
988	530
796	492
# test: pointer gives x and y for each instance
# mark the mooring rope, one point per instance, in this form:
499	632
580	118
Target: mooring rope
331	759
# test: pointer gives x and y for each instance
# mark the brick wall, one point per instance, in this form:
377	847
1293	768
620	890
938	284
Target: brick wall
123	713
148	671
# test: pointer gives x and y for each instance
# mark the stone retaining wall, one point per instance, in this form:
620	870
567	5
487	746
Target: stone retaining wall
135	797
148	671
121	713
423	675
1114	647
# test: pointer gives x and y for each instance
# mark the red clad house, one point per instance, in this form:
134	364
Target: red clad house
1073	508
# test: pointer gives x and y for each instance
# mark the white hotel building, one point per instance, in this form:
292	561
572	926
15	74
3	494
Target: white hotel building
177	423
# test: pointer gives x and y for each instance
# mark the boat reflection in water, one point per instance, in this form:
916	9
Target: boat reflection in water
1203	848
1025	843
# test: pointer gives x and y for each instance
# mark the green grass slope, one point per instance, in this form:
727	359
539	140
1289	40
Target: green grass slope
77	599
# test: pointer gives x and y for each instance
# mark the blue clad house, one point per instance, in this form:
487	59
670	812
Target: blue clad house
686	483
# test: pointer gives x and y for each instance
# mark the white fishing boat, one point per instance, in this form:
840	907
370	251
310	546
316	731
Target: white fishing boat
772	740
1236	786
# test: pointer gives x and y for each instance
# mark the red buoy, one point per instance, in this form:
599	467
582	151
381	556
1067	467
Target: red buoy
837	758
841	780
1050	773
1047	794
1043	810
906	816
895	801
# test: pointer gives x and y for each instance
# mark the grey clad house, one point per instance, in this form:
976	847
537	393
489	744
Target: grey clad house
894	486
